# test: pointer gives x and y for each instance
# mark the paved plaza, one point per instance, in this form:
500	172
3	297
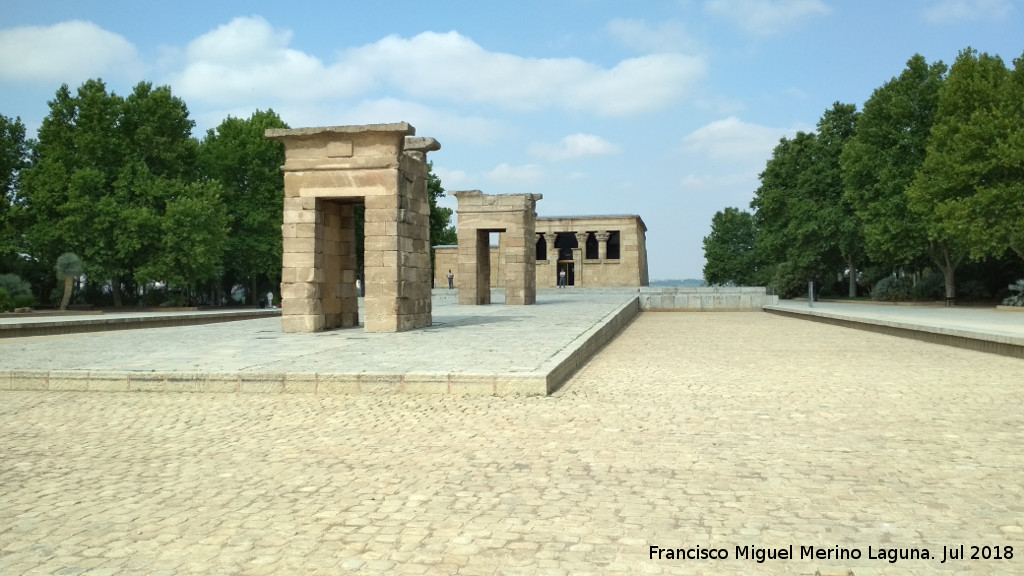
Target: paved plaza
709	430
468	350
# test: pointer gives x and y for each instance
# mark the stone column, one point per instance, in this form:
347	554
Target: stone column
602	244
579	255
549	239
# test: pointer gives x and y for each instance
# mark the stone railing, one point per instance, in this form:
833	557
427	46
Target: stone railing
711	298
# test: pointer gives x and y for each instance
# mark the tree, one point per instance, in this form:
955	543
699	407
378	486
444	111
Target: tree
441	231
69	266
13	159
959	177
805	229
880	161
990	150
729	249
248	166
193	231
838	218
104	170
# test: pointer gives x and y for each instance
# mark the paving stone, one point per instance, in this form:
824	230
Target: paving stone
710	429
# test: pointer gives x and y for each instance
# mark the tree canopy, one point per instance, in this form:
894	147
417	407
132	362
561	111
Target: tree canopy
929	176
105	171
729	249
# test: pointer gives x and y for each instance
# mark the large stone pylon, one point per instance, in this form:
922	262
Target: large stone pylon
328	171
513	215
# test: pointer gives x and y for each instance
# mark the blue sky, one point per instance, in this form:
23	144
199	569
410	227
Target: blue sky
663	108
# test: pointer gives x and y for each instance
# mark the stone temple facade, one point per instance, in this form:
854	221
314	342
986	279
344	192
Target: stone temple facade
594	251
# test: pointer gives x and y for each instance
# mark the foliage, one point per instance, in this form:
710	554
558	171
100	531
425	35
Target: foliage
880	161
6	302
24	300
14	285
13	159
805	227
248	166
69	265
441	230
1017	298
892	288
104	171
729	249
959	181
193	233
928	287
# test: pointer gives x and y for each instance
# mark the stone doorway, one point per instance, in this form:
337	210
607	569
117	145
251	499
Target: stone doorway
570	272
514	217
327	172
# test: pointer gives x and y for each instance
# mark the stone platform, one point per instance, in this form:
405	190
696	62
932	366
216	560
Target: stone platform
493	349
53	323
984	329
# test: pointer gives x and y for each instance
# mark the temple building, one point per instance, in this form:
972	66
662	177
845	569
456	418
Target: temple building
593	251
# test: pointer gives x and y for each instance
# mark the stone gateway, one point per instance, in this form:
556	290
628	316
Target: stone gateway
328	171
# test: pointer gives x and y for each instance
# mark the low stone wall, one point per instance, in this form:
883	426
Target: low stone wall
573	357
705	299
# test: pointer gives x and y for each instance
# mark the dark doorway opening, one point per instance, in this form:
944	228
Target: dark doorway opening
569	267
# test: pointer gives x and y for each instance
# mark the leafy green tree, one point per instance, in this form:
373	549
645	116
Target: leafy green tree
13	159
959	178
984	145
104	170
838	220
69	266
805	229
441	231
880	161
193	231
729	249
248	166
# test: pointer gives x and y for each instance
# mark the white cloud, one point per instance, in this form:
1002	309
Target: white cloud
666	37
451	179
728	155
428	121
950	11
68	52
766	17
733	140
574	146
508	174
249	60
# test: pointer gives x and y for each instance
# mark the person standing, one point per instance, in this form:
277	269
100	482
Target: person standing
451	279
561	278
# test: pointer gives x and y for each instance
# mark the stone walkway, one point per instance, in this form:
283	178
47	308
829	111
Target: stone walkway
715	430
468	350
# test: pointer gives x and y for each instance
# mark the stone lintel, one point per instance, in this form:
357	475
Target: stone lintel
413	144
404	128
470	201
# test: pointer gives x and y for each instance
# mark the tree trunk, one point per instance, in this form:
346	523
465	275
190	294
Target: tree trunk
254	296
115	288
853	279
948	273
68	280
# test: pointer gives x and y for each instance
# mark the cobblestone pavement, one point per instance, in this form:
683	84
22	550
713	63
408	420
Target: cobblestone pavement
714	430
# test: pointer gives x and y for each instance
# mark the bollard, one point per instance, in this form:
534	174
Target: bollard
810	293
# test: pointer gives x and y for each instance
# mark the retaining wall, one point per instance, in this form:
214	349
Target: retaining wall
706	298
